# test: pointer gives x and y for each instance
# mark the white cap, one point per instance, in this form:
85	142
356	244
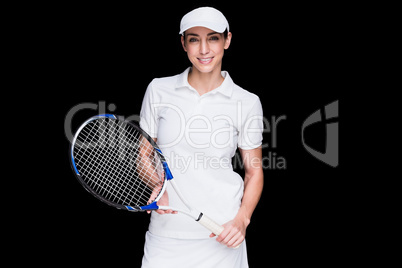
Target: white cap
207	17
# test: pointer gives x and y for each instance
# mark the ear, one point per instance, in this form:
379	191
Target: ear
183	43
228	40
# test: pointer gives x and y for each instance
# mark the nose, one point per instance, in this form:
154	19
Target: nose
204	48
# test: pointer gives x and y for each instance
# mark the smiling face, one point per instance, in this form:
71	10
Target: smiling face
205	48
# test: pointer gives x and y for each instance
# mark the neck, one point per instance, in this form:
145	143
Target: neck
205	82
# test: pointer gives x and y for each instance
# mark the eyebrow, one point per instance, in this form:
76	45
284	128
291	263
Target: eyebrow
211	33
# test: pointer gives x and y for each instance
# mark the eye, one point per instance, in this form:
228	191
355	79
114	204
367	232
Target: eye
192	40
214	38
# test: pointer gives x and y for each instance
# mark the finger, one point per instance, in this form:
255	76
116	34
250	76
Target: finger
237	243
229	237
232	237
220	237
160	211
168	211
212	235
236	240
223	235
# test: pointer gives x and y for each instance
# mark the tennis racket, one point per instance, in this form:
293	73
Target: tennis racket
121	165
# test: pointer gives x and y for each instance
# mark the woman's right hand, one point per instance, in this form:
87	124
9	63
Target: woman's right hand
163	201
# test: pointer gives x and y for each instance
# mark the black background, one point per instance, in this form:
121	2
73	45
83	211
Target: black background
293	57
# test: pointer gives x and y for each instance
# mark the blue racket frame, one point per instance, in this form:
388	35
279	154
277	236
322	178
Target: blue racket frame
168	173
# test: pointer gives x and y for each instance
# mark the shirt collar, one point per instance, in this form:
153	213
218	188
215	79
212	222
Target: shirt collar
226	88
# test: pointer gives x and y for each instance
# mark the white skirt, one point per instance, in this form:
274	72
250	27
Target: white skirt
191	253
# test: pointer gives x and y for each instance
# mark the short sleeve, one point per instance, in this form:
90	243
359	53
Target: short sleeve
148	115
252	126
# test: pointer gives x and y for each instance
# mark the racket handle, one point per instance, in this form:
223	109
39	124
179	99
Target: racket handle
212	226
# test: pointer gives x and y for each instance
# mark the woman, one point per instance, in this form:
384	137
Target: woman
199	118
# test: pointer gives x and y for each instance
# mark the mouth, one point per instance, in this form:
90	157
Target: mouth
205	60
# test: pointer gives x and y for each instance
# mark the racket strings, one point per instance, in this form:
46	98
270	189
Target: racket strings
118	163
122	183
106	181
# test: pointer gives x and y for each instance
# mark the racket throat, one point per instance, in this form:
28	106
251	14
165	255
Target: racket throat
196	215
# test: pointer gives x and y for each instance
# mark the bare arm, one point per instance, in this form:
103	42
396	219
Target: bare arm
235	230
164	200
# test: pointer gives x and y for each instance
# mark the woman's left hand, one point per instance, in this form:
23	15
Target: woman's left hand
234	232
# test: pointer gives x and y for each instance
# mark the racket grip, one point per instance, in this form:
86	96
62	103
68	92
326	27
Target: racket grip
212	226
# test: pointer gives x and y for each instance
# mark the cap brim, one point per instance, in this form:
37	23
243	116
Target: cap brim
219	28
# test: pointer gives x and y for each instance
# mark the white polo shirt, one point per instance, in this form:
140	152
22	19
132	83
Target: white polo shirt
198	136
